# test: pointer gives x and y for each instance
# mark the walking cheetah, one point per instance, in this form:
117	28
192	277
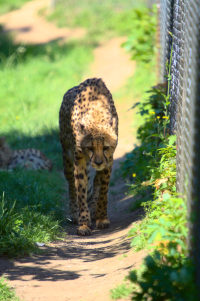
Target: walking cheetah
88	134
27	158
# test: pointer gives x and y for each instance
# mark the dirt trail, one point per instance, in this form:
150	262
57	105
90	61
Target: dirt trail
29	28
80	268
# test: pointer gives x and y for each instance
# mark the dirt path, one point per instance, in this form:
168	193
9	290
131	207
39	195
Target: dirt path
29	28
79	268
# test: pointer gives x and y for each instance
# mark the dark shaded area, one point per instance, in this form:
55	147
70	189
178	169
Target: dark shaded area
48	143
37	273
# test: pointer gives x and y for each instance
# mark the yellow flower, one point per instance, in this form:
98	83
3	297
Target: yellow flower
17	117
158	117
165	117
152	113
134	175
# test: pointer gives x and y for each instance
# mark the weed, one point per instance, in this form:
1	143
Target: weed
6	293
121	291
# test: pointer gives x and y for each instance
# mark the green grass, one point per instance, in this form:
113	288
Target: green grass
22	229
121	291
9	5
108	18
6	293
33	81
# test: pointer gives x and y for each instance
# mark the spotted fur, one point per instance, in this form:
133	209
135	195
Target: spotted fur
26	158
88	134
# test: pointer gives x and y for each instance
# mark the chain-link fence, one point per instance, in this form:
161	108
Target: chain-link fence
182	18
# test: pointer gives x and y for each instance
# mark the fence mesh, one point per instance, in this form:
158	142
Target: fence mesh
182	18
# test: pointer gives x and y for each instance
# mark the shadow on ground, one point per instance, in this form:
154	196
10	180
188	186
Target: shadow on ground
23	52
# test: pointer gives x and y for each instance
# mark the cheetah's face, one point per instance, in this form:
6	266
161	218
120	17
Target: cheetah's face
99	152
98	148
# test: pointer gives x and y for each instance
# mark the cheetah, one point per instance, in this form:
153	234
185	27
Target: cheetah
26	158
88	124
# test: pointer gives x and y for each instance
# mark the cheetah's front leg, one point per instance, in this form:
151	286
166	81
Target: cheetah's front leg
102	220
80	173
69	175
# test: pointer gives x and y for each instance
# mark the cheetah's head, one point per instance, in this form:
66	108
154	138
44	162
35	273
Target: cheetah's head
98	144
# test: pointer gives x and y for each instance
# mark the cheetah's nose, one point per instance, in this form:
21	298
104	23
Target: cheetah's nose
98	163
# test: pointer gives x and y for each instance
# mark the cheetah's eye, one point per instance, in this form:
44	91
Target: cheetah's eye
90	148
105	147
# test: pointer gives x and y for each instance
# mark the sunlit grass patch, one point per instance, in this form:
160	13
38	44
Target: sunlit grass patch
22	229
9	5
33	87
6	292
102	19
121	291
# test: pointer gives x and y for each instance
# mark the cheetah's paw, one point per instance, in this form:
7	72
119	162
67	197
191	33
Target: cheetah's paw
84	231
102	223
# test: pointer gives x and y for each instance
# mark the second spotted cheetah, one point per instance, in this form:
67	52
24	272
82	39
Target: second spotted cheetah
29	158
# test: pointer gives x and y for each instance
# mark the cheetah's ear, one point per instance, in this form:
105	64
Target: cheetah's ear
80	127
113	123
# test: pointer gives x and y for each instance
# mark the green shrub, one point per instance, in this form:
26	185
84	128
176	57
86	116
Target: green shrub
164	281
142	39
167	273
152	111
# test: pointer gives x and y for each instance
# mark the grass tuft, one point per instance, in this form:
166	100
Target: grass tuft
6	293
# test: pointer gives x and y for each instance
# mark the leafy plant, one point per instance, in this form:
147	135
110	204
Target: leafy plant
165	281
149	134
141	42
167	273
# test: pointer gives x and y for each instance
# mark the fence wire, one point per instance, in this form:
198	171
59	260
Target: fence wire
182	18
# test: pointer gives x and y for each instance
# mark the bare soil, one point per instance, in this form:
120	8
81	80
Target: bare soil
81	268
